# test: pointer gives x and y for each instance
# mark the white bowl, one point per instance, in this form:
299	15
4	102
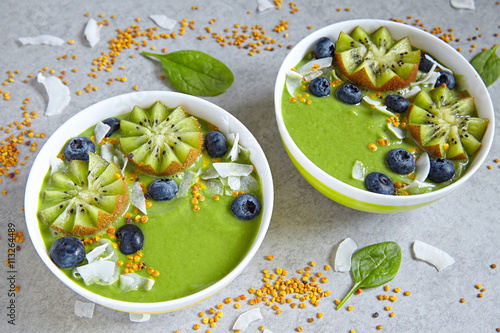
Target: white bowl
122	104
361	199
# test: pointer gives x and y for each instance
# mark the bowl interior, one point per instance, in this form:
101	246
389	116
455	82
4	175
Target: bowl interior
122	104
419	39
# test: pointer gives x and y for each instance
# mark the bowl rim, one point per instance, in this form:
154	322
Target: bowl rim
122	104
419	39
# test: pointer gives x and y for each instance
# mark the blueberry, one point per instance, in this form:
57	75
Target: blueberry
162	189
445	78
441	170
324	48
216	144
400	161
78	149
131	238
379	183
425	64
246	206
397	103
319	87
67	252
349	93
114	123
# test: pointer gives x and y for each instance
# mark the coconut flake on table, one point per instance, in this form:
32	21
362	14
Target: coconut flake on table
132	281
378	105
57	92
412	92
432	255
56	164
163	21
100	131
138	199
343	255
139	317
314	65
246	318
92	31
463	4
293	81
101	272
263	5
42	40
233	169
84	309
358	172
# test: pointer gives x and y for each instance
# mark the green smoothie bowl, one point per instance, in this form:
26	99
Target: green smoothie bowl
382	117
149	202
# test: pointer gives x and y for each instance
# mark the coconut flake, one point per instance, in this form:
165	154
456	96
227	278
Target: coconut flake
96	253
311	76
358	172
314	65
100	131
92	31
107	152
398	132
263	5
100	271
215	186
432	255
163	21
463	4
84	309
233	153
234	182
186	183
139	317
345	249
42	40
422	167
132	281
378	105
430	77
210	173
56	164
233	169
246	318
248	184
431	59
138	199
58	93
293	82
120	159
412	92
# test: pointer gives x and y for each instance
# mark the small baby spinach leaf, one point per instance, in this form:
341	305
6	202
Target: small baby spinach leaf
195	72
373	266
487	64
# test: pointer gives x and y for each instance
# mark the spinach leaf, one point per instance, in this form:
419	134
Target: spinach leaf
373	266
195	72
487	64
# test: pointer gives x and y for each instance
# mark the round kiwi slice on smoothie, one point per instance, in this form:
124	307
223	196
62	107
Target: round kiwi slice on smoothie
376	61
85	197
445	123
161	141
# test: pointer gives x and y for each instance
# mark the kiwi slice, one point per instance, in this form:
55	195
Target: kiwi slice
85	197
161	141
376	61
445	123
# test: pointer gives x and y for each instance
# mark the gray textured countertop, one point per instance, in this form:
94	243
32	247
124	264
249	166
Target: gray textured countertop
305	225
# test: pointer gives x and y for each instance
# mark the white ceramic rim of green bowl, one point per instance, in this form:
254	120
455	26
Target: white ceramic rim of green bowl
422	40
118	105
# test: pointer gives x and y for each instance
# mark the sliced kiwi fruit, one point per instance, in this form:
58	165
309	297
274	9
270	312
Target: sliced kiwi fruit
161	141
376	61
85	197
445	123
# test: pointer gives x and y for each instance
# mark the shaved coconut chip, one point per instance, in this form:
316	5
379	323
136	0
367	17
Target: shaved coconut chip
58	94
293	82
92	31
120	159
416	184
210	173
107	152
248	184
132	281
100	131
42	40
234	183
233	153
186	183
412	92
422	167
139	317
378	105
100	272
149	284
263	5
246	318
398	132
138	199
163	21
314	65
463	4
429	78
432	255
343	255
56	164
95	253
431	59
358	172
84	309
233	169
215	186
311	76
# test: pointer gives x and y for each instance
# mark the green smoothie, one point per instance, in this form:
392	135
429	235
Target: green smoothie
190	242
